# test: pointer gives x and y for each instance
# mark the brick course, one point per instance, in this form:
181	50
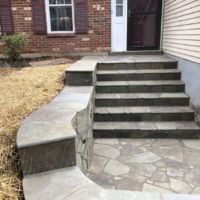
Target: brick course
98	38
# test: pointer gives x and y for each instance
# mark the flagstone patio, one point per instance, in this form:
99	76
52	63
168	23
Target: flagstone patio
149	165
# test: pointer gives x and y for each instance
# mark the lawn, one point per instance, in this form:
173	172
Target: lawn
22	91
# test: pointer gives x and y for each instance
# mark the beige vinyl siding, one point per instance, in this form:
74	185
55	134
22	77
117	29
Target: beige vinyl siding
181	29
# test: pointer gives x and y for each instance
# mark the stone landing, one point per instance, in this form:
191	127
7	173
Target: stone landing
148	165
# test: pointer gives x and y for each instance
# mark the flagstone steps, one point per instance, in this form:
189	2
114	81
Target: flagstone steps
183	129
141	99
125	75
139	86
143	113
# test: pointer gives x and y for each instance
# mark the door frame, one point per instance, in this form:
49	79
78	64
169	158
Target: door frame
158	31
125	19
125	46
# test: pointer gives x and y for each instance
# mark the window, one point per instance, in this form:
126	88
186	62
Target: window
119	8
60	16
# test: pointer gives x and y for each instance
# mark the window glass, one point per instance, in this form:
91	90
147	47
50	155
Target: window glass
60	2
61	17
119	11
119	8
119	1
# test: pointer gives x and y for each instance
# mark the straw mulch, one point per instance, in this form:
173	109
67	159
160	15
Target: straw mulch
21	92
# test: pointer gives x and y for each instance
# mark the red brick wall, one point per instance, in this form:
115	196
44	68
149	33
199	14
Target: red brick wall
98	38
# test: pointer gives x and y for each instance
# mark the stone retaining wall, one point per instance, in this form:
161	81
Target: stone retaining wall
82	124
59	134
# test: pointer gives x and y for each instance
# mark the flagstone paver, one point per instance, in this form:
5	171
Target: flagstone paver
116	168
146	157
150	165
106	151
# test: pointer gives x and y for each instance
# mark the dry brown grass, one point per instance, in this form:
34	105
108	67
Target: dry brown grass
21	92
5	71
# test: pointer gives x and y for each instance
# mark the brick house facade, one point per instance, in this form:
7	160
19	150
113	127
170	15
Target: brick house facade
97	37
105	25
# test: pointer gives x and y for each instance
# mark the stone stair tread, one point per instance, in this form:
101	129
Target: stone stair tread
138	71
169	126
143	109
127	83
140	95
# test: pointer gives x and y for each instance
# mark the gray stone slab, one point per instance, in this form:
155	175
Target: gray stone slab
116	168
144	158
179	186
68	183
82	66
143	99
53	121
81	73
106	151
174	172
145	170
144	109
131	59
121	83
192	144
152	188
127	195
98	164
107	141
139	86
38	132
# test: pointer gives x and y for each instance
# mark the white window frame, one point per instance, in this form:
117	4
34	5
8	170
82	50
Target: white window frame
47	6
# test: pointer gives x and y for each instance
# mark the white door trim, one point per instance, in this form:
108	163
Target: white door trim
124	19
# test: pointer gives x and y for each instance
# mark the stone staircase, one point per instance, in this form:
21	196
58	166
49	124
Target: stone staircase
142	100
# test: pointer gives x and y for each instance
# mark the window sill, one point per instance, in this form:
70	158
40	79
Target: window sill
60	34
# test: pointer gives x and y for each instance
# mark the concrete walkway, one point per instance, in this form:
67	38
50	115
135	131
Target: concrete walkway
149	165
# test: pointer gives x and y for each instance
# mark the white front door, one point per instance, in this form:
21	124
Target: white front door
119	25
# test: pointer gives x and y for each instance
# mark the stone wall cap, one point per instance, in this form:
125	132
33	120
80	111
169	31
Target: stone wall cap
82	66
52	122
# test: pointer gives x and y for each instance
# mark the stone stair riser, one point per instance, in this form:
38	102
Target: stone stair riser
183	134
140	88
146	76
50	156
131	66
142	102
123	117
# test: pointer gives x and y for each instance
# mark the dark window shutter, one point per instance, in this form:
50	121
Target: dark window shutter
6	18
39	16
81	16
